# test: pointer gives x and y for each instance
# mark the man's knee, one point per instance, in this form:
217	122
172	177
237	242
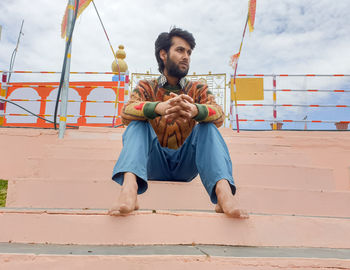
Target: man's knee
208	129
207	125
137	125
136	128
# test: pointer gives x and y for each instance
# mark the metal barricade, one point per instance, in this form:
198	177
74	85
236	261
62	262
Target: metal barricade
91	103
305	112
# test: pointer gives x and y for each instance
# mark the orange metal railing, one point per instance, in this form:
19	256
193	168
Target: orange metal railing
40	97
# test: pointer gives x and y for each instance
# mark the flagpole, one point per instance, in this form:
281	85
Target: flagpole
116	106
235	74
235	58
64	95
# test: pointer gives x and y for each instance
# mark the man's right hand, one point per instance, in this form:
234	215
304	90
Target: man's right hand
178	106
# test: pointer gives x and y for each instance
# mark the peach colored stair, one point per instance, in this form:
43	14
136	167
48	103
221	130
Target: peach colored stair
38	193
95	227
296	185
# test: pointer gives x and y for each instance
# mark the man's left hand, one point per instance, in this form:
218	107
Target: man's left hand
183	108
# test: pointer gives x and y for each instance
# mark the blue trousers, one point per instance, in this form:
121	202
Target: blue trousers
204	152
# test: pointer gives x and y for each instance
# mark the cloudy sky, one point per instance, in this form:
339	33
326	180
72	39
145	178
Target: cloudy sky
291	36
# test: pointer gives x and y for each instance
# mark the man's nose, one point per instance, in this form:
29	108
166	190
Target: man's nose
186	56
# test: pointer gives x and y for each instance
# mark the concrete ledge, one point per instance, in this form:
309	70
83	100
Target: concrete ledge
38	193
149	228
88	163
185	250
323	150
169	262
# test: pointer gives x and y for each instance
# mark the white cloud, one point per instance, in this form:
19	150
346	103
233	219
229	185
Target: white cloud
291	36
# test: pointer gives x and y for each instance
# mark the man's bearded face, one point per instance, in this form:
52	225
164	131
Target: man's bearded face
176	70
177	60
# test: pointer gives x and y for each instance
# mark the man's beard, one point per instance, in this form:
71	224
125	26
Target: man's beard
174	70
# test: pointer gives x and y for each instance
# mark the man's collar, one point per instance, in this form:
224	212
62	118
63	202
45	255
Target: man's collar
162	80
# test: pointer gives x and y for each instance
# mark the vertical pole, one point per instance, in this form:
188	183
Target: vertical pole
231	103
234	93
274	126
13	58
3	95
126	87
64	95
234	104
116	106
230	115
225	98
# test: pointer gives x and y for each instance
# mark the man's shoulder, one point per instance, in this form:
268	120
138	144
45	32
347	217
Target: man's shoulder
149	84
200	84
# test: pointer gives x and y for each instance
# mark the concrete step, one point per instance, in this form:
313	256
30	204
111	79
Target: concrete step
38	256
38	193
95	227
100	166
270	158
193	249
93	151
170	262
286	181
240	152
84	168
279	149
284	176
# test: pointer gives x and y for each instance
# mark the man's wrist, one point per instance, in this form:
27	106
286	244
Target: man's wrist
158	109
202	112
149	110
196	111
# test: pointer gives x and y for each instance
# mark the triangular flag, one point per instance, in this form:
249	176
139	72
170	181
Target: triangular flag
251	14
234	60
82	6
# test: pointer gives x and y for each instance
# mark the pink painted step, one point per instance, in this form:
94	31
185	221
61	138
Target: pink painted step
147	228
327	150
39	193
240	152
169	262
89	167
284	176
84	168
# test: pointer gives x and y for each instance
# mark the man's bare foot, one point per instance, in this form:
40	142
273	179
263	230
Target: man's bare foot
127	201
226	201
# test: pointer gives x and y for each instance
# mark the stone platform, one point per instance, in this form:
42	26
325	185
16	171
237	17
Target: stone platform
294	184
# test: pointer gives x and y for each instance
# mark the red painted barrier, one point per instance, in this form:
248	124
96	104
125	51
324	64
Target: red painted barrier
84	89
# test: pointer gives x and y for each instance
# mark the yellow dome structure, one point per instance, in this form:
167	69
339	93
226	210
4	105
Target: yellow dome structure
120	57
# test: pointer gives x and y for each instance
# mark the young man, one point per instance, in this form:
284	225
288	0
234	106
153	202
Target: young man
172	132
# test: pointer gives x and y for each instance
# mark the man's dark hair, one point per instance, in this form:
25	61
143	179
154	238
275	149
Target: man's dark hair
164	42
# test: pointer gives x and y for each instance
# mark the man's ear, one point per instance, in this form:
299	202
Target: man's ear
163	55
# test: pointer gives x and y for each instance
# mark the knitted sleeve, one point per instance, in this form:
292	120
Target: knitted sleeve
141	104
208	109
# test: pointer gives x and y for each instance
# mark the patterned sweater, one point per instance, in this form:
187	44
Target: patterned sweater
148	93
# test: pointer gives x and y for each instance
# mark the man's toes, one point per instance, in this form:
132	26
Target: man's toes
237	213
218	209
244	214
113	211
125	209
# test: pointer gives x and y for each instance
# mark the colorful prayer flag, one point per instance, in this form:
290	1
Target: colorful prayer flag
251	14
234	60
82	6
